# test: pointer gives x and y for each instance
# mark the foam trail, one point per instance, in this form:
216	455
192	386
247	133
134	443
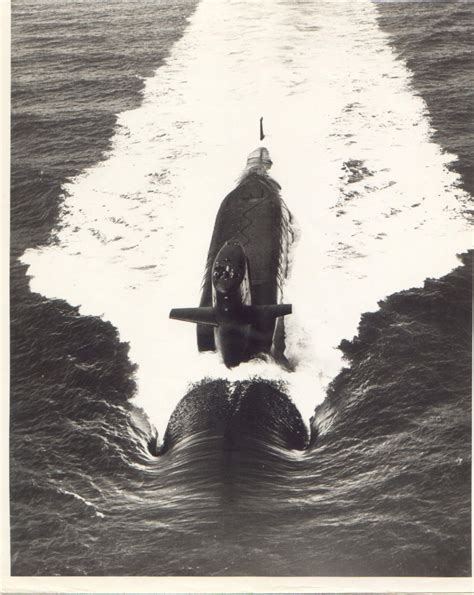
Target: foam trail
375	206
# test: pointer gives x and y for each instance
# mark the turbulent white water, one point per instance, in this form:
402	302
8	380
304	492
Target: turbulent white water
376	209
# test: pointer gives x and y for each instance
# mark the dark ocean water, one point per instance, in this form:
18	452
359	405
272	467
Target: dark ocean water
384	487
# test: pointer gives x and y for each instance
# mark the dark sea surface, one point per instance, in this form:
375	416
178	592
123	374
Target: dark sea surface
384	487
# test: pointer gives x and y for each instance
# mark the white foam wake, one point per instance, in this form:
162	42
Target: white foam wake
342	123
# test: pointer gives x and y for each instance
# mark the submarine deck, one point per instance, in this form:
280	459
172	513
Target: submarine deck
255	215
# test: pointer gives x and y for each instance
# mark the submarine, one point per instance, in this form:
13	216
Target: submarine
240	314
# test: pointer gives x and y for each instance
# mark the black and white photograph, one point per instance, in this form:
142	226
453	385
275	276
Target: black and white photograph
240	296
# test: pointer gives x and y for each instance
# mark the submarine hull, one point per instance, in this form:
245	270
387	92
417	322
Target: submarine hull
254	216
245	269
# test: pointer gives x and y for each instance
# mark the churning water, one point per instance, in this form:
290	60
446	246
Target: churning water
130	123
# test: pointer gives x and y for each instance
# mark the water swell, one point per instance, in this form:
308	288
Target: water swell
392	467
